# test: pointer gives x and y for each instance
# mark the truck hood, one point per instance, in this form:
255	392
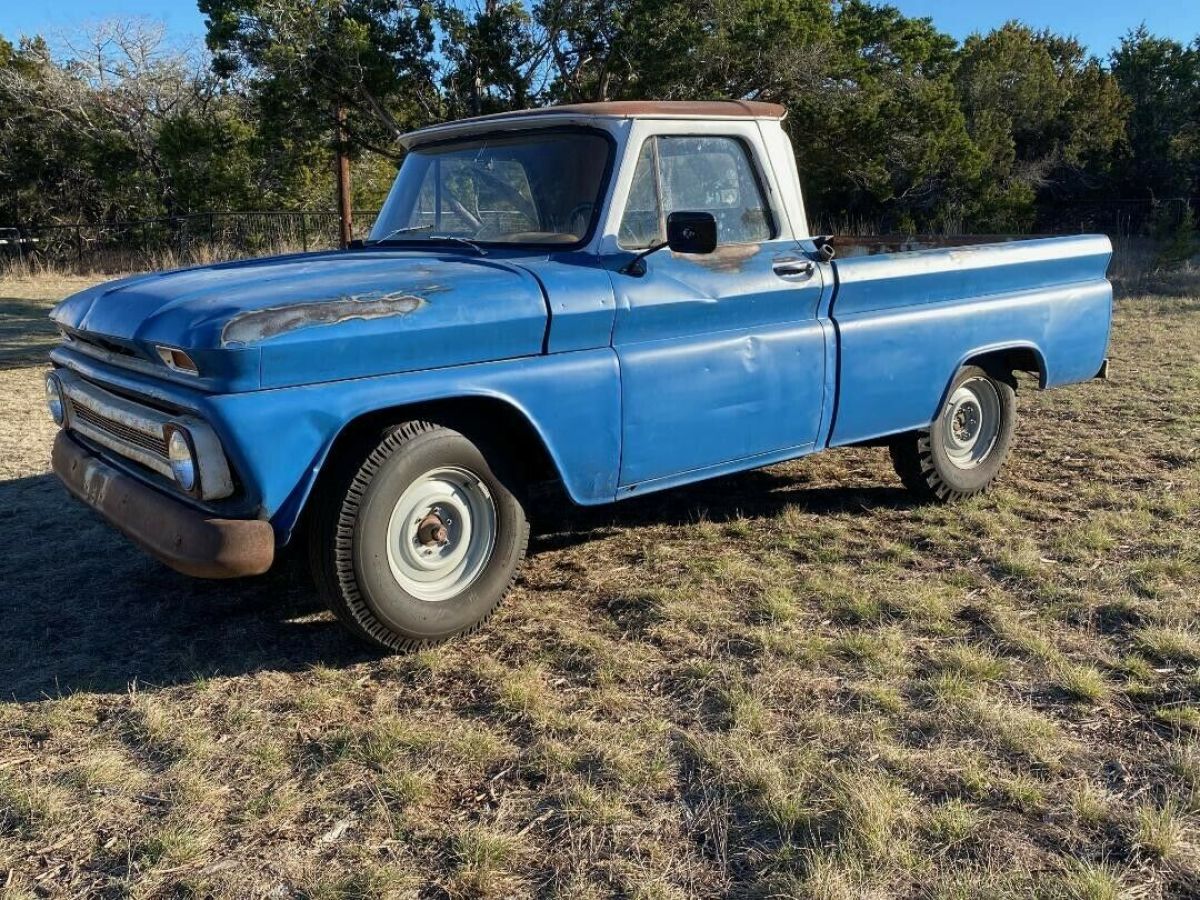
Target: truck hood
321	316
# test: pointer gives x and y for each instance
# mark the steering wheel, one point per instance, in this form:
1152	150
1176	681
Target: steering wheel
582	210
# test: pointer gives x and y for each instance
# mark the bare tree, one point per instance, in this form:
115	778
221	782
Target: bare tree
116	78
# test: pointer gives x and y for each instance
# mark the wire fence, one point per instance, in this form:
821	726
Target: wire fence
1116	217
215	236
194	238
1119	217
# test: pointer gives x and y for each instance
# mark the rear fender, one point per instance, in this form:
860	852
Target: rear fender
989	359
908	321
996	361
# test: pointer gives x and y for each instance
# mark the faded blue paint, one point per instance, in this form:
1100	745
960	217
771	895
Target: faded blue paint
580	298
721	360
907	321
704	365
324	316
277	439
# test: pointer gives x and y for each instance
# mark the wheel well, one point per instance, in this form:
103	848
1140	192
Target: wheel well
1004	363
499	429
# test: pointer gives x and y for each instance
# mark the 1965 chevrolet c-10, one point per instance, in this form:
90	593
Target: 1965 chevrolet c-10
614	297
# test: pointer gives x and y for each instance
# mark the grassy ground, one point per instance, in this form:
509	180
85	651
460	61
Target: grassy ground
787	683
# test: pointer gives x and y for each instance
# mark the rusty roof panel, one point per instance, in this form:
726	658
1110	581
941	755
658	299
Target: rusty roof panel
705	109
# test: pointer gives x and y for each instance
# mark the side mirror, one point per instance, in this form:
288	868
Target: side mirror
687	232
691	232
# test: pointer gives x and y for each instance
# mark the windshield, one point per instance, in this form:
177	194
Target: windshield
529	188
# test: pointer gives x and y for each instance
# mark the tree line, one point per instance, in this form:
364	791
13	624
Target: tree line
897	126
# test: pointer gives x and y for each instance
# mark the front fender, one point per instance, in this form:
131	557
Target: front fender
279	439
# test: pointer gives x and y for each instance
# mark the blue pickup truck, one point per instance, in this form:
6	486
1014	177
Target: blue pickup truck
613	298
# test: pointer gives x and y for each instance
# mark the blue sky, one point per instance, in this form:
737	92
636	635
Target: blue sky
19	17
1097	23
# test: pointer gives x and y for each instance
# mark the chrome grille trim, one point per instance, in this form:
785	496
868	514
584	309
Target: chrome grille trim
138	432
147	442
129	429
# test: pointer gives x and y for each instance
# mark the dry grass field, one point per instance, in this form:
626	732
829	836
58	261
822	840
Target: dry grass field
787	683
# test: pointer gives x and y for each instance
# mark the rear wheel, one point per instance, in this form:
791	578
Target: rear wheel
962	451
420	543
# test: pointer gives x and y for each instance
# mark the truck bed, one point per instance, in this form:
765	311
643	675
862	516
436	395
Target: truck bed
906	320
848	246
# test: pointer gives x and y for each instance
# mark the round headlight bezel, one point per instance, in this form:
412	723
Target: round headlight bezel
181	456
56	401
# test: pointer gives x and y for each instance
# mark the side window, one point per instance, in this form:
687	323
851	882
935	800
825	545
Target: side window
696	174
642	223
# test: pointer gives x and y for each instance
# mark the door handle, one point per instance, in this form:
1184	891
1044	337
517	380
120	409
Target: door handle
794	268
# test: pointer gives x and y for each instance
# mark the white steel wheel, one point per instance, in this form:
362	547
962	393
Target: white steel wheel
421	540
961	452
441	533
970	423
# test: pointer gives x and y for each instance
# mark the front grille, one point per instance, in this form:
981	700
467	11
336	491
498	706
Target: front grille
148	442
125	426
135	430
103	344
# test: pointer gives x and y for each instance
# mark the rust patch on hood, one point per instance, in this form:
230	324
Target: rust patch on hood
260	324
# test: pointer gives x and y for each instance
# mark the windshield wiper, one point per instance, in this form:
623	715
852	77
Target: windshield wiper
407	229
461	240
433	237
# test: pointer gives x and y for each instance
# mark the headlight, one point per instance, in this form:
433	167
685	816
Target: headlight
182	458
54	399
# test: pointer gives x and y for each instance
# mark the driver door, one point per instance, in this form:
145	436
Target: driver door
722	357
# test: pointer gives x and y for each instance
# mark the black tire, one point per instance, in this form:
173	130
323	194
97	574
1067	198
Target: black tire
924	462
349	541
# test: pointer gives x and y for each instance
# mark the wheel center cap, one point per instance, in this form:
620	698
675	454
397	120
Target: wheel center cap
966	423
432	531
441	533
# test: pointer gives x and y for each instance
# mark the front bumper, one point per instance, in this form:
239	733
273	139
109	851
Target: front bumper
184	538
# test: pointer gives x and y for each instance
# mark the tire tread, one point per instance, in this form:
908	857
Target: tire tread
331	550
913	459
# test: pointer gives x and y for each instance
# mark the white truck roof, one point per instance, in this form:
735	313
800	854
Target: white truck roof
574	113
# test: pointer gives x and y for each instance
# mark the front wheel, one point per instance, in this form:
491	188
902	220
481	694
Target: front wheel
962	451
420	543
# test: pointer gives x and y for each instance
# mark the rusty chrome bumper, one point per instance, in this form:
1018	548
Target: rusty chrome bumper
185	539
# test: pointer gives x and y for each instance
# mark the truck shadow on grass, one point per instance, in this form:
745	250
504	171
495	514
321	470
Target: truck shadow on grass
757	494
82	609
85	610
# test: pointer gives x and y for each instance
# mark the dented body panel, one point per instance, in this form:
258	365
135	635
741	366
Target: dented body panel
721	360
631	380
